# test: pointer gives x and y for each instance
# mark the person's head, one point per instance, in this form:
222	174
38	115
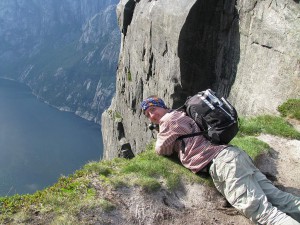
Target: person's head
154	108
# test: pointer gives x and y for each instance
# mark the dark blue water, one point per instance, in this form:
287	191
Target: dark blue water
39	143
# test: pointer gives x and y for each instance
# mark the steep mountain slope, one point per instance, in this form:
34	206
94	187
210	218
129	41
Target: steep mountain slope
66	51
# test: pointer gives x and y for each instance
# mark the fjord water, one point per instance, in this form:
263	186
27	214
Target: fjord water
39	143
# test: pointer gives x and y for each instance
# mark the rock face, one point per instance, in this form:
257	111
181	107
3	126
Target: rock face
248	51
65	50
269	67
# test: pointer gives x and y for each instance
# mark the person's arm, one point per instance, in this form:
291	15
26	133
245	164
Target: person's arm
169	131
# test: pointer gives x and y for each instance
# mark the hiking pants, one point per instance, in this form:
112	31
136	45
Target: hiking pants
249	191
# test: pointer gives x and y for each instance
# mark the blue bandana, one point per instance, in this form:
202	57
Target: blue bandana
155	101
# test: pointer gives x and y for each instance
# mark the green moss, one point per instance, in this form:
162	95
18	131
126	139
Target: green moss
251	145
66	195
129	77
291	108
269	125
117	115
114	115
99	168
149	165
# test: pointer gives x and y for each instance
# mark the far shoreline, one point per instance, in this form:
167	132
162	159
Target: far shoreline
62	109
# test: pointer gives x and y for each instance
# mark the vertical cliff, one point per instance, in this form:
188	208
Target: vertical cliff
248	51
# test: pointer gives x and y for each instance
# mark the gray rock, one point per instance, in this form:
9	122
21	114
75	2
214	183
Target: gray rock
245	50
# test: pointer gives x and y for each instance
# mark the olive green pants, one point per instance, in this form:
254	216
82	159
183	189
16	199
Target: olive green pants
249	191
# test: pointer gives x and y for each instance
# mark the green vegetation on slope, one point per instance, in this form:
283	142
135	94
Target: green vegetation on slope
71	194
269	125
145	170
253	126
291	108
251	145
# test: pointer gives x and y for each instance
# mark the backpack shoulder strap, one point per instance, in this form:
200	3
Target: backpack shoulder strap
180	108
187	136
191	135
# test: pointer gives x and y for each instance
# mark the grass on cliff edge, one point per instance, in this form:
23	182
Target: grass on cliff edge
290	108
267	124
251	127
70	195
76	192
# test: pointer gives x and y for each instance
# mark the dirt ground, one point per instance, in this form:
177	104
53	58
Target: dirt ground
283	162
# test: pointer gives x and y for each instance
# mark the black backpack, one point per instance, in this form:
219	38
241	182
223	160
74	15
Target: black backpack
216	117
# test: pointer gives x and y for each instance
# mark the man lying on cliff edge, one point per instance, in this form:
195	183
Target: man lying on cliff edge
232	170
